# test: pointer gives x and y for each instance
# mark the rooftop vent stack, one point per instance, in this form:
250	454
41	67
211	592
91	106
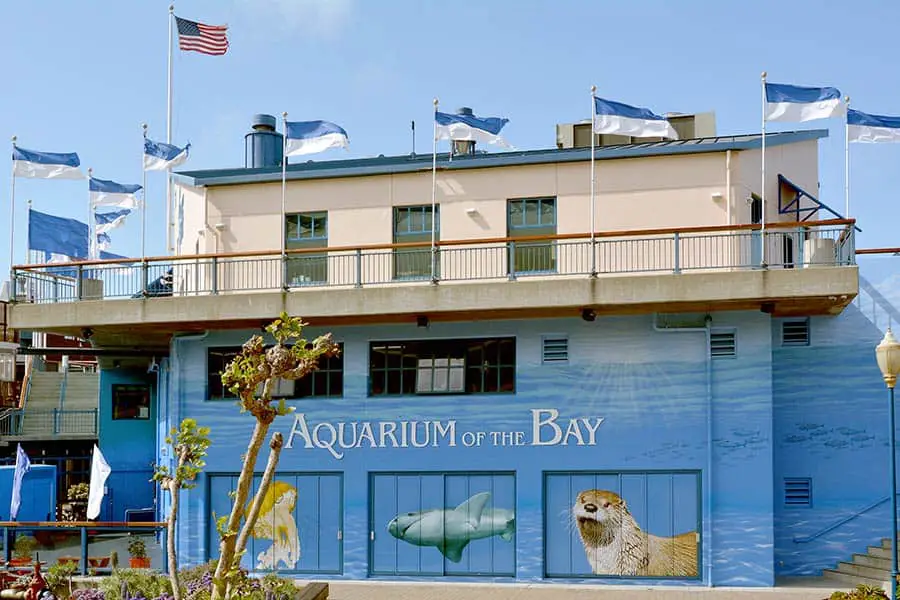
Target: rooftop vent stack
263	147
463	147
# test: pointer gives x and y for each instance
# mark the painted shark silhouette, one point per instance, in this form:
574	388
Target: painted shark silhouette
451	530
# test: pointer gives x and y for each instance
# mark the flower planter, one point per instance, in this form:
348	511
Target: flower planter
19	562
139	563
98	562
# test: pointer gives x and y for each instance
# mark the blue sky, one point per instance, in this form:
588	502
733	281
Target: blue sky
83	76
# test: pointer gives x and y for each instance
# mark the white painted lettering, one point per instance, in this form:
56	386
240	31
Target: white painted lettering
538	422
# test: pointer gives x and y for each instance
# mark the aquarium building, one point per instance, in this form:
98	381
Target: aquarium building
637	399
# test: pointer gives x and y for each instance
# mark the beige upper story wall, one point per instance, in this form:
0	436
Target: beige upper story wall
633	193
798	162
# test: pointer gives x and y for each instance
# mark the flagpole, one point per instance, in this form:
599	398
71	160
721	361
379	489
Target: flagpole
593	179
92	235
12	225
284	160
763	170
144	198
434	190
169	248
847	163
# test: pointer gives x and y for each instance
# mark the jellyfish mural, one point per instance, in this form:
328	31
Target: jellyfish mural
276	522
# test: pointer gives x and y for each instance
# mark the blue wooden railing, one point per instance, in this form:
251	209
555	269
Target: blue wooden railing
115	536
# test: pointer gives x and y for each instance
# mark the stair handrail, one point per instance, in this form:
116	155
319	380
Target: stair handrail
840	522
26	382
885	304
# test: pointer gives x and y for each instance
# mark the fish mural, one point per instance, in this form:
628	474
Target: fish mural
451	530
276	522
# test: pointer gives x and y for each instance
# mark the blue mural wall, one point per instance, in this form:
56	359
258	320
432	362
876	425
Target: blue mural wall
517	482
831	429
127	440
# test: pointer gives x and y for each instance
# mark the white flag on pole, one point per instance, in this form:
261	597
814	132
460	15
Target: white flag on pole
100	470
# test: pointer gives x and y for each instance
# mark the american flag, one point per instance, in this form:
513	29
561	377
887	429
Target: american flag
199	37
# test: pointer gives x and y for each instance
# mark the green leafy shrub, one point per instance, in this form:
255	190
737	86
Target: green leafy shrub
862	592
24	547
59	578
135	583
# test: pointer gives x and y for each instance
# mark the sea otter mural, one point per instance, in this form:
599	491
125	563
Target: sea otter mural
614	543
276	522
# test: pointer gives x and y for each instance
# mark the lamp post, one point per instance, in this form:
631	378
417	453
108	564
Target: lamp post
888	356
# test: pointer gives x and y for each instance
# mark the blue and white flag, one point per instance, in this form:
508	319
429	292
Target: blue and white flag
796	103
46	165
470	128
110	193
51	258
309	137
23	466
103	242
872	129
106	222
110	256
623	119
159	156
58	235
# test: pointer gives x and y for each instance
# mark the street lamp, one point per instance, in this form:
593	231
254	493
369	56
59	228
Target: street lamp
888	356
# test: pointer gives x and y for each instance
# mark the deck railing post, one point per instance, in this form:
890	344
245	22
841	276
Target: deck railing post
84	551
7	546
677	253
164	546
145	277
214	276
358	263
511	261
79	283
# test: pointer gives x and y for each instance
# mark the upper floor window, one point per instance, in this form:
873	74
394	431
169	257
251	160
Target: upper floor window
530	217
326	381
456	366
306	231
415	220
412	225
304	227
532	213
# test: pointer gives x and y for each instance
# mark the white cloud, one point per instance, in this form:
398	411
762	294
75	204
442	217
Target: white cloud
316	18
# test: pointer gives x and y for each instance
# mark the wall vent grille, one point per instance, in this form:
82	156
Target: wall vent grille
795	332
722	344
555	349
797	491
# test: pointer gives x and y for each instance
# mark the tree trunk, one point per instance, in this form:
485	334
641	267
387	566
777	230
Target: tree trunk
268	475
253	512
170	541
227	545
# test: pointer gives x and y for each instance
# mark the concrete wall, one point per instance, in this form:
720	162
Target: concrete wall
129	446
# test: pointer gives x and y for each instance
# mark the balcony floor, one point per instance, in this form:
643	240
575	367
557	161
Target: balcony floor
150	322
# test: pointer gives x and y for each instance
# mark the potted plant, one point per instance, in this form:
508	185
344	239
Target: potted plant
137	550
76	508
23	551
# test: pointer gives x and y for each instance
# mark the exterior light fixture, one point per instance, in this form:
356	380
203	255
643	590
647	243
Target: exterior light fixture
887	353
